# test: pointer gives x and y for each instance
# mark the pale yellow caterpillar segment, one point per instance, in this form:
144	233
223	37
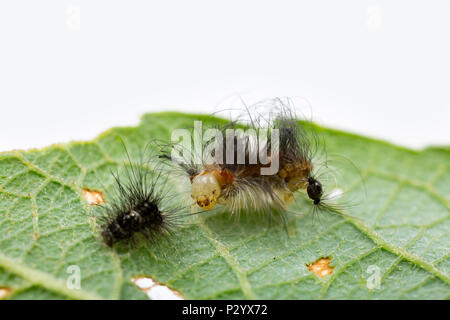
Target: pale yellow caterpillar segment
205	190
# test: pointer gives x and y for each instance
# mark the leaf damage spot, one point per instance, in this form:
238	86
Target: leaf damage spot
156	290
4	292
93	197
321	267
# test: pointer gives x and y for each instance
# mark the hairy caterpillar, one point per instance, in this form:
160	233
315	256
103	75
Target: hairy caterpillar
139	206
242	185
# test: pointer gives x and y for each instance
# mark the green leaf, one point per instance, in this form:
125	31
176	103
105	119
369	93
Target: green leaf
399	230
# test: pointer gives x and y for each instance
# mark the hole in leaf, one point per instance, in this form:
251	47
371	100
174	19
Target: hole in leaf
93	197
321	267
156	290
4	292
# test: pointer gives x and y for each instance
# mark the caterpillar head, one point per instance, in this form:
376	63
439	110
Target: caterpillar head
108	237
314	190
205	190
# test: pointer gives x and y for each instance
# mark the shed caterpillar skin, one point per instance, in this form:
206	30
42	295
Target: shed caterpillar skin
242	187
139	208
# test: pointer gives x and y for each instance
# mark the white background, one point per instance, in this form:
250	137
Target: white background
71	69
